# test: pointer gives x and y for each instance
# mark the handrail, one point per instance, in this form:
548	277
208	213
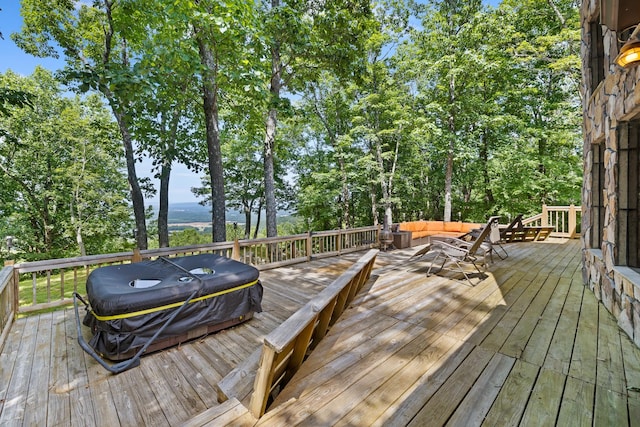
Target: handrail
7	303
54	281
566	220
286	347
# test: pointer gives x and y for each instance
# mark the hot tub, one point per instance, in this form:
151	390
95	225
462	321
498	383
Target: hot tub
129	303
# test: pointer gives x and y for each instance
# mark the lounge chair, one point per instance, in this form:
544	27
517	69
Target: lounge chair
494	238
461	252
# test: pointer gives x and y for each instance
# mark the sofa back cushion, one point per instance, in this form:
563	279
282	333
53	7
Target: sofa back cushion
452	226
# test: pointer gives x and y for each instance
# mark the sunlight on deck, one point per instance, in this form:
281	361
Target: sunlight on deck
528	345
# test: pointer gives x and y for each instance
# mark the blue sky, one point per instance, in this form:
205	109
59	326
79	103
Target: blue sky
13	58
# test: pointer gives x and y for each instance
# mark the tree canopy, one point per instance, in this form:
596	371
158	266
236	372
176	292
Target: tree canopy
346	113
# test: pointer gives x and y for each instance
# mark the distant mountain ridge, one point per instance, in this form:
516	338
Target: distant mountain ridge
189	212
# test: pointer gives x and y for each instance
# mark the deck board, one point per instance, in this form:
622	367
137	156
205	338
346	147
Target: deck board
478	401
58	402
544	403
38	388
445	401
577	403
512	399
526	346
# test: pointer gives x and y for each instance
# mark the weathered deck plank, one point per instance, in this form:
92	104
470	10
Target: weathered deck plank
544	403
18	386
38	387
585	349
577	403
478	401
58	402
558	357
391	389
80	395
538	344
512	399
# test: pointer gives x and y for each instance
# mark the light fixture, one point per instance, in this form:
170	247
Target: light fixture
619	14
630	51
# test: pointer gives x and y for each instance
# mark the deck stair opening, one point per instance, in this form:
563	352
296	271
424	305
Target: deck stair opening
268	369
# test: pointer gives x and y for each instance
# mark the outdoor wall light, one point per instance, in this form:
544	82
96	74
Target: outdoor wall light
629	52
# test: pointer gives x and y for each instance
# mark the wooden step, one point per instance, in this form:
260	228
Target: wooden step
238	383
231	412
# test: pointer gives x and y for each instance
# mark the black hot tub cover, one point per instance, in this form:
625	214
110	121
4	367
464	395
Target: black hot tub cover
130	302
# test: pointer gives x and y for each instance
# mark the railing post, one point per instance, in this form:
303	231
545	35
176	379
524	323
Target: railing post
136	257
235	252
572	221
309	246
339	243
544	221
15	277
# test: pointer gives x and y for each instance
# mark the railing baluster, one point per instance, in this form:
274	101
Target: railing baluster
35	288
62	283
265	253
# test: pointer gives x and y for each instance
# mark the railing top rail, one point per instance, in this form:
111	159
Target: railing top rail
558	208
5	277
25	267
532	219
61	263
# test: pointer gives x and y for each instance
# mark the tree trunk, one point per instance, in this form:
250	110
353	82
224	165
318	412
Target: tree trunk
269	175
255	232
484	158
346	218
165	177
448	176
247	221
80	241
137	197
163	212
270	137
210	105
119	108
374	206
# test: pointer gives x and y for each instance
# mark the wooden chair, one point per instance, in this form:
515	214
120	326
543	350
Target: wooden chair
514	231
517	232
461	252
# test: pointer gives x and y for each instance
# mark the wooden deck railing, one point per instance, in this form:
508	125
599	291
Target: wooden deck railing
7	303
49	284
286	347
565	220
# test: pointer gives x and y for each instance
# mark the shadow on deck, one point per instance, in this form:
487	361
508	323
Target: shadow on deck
527	346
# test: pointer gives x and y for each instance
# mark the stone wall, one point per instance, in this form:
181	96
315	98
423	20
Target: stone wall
616	99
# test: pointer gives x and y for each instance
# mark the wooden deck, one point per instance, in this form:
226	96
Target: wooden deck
527	346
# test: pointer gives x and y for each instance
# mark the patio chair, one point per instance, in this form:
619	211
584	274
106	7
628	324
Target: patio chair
461	252
494	238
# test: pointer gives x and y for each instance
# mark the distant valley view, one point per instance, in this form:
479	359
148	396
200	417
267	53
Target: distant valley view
194	215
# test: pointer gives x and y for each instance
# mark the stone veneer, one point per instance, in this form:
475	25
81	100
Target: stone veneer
616	99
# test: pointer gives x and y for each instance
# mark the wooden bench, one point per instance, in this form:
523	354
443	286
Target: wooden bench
283	351
528	234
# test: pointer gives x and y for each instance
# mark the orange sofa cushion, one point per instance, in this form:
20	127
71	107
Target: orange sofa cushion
452	226
428	228
468	226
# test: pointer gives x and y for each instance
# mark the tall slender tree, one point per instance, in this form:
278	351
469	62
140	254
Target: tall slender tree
303	38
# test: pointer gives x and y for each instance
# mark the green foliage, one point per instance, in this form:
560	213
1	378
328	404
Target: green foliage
424	108
63	192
